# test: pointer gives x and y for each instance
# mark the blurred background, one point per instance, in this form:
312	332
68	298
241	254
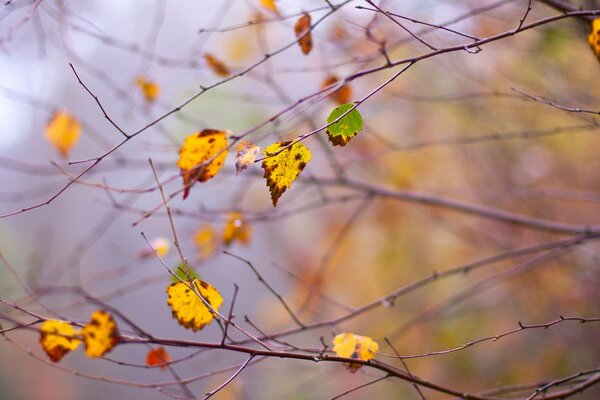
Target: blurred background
461	126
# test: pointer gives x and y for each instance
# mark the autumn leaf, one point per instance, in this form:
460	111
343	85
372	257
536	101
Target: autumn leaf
216	65
236	228
303	33
63	132
181	275
149	89
246	154
198	148
100	335
349	345
160	244
347	127
594	37
282	167
206	240
158	357
341	95
58	338
189	310
270	5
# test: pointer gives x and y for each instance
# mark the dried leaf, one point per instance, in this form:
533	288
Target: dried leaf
63	132
100	335
270	5
189	310
206	240
349	345
594	38
236	228
58	338
149	89
303	33
216	65
347	127
246	154
199	148
282	167
341	95
158	356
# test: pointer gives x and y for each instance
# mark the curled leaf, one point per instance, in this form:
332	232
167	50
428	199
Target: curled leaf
149	89
58	338
347	127
202	156
216	65
100	335
303	33
349	345
236	228
341	95
282	166
189	310
158	357
246	154
63	132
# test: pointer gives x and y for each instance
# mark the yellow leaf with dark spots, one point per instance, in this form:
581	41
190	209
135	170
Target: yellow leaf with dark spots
349	345
282	167
100	335
58	338
188	308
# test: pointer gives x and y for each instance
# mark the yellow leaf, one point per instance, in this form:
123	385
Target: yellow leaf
303	33
594	37
246	154
100	334
63	132
189	310
198	148
58	338
149	89
270	5
282	169
349	345
160	244
340	96
236	228
158	357
206	241
216	65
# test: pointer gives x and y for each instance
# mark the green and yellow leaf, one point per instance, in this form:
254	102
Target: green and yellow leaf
347	127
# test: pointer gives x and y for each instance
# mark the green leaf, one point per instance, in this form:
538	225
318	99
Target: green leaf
180	272
346	128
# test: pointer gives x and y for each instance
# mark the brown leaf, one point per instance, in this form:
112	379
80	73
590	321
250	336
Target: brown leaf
341	95
246	154
303	33
216	65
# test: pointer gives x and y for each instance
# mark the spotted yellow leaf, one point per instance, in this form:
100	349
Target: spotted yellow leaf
303	33
594	38
58	338
236	228
149	89
217	66
202	156
206	240
349	345
100	335
187	307
246	154
282	167
63	132
270	5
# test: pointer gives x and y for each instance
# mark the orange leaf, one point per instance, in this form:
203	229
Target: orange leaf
303	33
158	357
63	132
149	89
216	65
270	5
341	95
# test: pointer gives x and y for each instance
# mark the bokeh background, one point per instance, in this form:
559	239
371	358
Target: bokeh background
457	126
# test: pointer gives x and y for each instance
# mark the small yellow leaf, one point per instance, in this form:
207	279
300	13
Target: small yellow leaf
341	95
58	338
198	148
270	5
283	168
349	345
303	33
236	228
100	335
63	132
216	65
149	89
206	240
158	356
594	37
189	310
160	244
246	154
